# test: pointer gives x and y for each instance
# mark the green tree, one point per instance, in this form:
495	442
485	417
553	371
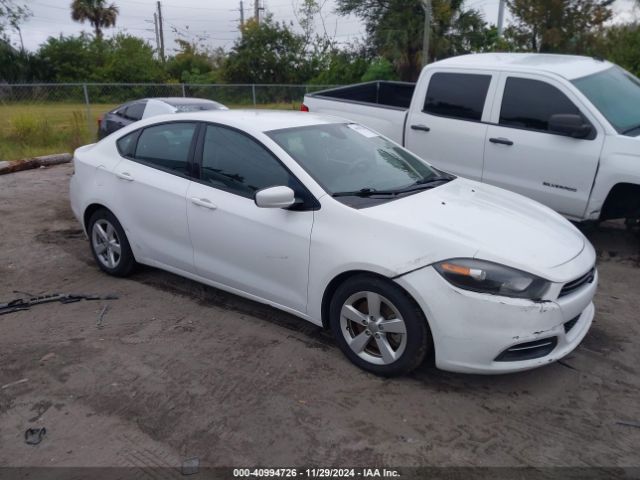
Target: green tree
268	52
379	69
123	58
564	26
18	65
343	66
96	12
395	30
69	59
187	62
619	44
126	58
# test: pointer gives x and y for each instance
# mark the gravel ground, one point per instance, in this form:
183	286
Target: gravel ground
180	370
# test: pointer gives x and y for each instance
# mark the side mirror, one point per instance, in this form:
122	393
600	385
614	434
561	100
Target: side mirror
275	197
569	124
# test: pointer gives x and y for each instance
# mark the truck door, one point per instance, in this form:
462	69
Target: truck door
522	154
445	124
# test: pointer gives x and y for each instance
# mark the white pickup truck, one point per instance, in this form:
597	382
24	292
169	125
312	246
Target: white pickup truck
563	130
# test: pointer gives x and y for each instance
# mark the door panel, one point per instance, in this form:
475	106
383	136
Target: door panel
261	251
445	128
151	189
554	170
451	145
523	156
153	211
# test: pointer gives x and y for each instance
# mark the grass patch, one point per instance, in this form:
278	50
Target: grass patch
30	130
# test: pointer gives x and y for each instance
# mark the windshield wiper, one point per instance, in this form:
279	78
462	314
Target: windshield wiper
363	192
424	184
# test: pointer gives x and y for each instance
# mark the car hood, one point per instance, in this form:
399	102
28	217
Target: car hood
496	225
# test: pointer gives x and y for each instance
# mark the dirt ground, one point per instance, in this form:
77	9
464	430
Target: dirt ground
180	370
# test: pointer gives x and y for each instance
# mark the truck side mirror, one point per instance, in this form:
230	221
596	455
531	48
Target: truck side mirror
569	124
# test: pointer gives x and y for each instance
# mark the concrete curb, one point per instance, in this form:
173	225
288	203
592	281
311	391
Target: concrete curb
35	162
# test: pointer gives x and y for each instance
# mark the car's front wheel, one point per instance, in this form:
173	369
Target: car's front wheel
378	326
109	244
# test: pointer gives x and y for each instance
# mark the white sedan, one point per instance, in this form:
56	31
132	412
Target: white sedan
338	225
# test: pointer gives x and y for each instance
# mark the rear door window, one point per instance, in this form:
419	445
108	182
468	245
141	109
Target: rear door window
127	144
135	111
457	95
530	104
167	146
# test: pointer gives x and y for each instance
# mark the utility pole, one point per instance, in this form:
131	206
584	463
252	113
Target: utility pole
161	32
155	27
256	10
241	14
501	18
426	6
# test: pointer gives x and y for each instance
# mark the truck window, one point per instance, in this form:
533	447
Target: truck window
530	103
457	95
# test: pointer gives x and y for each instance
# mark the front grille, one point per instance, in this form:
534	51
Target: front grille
570	324
578	282
528	350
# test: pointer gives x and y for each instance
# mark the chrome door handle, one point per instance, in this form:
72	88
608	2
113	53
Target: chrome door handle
203	202
124	176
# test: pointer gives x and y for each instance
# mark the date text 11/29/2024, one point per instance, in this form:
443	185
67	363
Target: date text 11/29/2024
315	473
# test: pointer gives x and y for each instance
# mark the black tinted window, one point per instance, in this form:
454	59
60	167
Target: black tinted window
457	95
235	162
127	144
166	146
530	103
135	111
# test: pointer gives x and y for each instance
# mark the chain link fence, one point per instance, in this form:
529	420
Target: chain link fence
37	119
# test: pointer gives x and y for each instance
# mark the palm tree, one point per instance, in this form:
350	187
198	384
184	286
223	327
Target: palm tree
97	12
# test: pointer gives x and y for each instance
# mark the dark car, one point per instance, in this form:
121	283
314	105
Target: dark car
130	112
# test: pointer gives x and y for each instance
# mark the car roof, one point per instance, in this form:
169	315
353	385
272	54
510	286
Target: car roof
261	120
569	67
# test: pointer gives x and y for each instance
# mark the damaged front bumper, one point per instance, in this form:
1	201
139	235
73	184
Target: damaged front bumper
488	334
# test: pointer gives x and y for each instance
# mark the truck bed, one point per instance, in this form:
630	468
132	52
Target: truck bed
380	93
380	105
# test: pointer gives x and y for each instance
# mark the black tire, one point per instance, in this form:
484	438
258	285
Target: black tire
418	336
125	261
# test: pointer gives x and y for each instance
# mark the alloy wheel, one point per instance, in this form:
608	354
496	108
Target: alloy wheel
373	328
106	243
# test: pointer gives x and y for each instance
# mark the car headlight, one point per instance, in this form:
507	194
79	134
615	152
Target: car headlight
487	277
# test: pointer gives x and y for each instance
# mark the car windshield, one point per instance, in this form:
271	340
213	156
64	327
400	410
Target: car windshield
616	93
351	159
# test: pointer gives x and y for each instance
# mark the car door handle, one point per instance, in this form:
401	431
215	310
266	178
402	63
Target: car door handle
501	141
422	128
124	176
203	202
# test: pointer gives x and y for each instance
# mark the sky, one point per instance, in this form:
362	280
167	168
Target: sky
212	22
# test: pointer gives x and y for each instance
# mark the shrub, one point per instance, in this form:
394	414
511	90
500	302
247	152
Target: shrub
28	128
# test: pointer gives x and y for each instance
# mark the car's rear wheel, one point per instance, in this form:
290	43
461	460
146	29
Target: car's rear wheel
378	326
109	244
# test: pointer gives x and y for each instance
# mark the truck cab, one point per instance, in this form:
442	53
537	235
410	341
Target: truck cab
563	130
